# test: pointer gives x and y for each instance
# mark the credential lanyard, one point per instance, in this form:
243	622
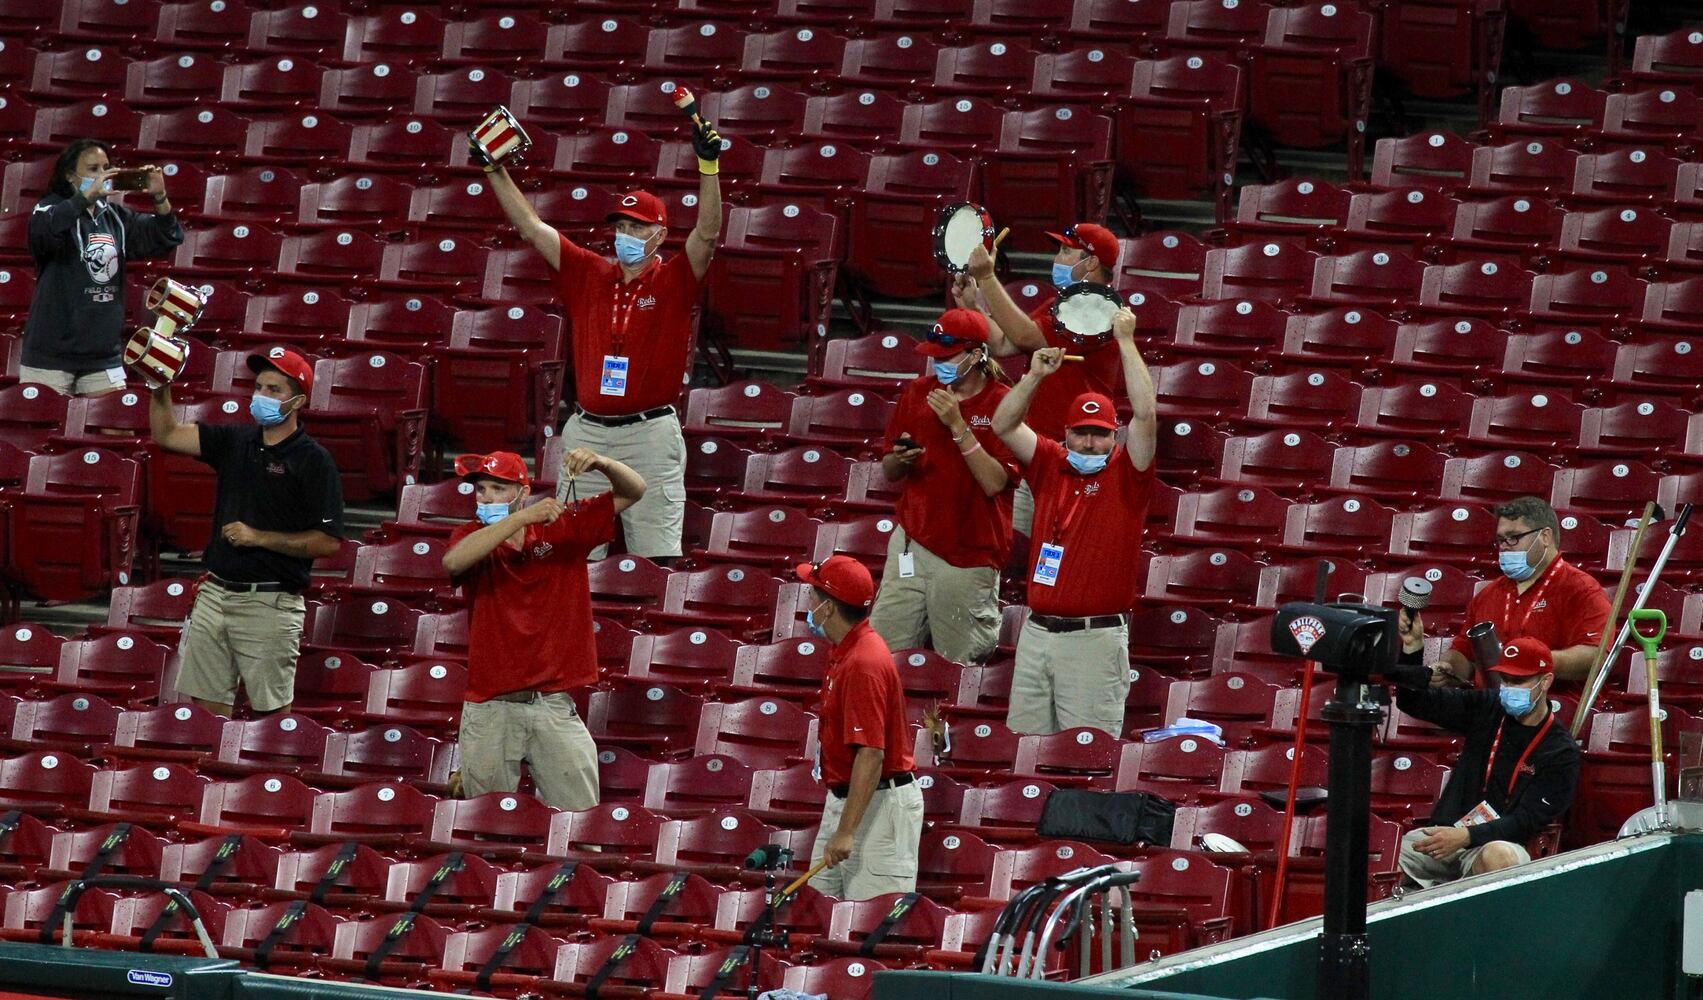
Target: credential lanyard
1514	776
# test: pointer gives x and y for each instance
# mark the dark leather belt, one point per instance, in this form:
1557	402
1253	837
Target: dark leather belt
899	780
522	697
250	588
1054	624
623	421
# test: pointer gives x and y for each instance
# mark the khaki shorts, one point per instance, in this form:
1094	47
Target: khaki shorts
247	639
1429	871
1062	680
71	384
953	608
884	853
546	733
1023	509
656	450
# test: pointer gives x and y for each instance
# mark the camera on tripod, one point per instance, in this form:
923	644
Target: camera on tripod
1353	640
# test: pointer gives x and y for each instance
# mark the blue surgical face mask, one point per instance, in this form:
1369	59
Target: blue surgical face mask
946	372
1515	566
1086	464
1516	701
810	623
629	250
266	411
491	513
1064	275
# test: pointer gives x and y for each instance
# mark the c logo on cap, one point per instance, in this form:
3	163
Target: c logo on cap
276	352
1510	650
629	201
938	328
1091	406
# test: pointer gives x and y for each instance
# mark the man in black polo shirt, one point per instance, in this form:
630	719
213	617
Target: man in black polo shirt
279	507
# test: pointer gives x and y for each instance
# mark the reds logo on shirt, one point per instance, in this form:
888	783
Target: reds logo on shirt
647	302
1091	489
274	468
542	550
1540	605
979	421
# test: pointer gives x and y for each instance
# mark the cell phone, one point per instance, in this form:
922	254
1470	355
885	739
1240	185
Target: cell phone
129	180
904	441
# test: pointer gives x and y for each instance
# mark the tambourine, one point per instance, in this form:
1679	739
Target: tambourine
500	136
962	225
156	358
1084	311
178	306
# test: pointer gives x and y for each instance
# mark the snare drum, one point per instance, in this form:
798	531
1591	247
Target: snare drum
1084	311
156	358
962	225
500	136
179	305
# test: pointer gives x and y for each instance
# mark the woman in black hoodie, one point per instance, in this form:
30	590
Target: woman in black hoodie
81	240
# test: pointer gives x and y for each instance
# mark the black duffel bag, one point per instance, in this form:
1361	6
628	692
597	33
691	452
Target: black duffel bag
1118	817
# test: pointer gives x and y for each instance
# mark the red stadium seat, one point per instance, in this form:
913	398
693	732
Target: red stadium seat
1445	348
492	40
1342	338
307	934
612	46
1298	209
698	785
1533	421
691	659
113	121
1570	358
1205	390
1443	48
1474	288
238	250
1646	430
276	84
1237	329
261	802
77	74
1440	160
411	945
1609	489
655	717
1275	272
1624	176
1239	515
427	696
1289	461
1405	219
774	275
899	189
1653	118
1495	477
1206	579
1178	132
1662	370
1310	79
384	753
118	664
1559	110
74	524
1389	471
705	50
460	95
1374	278
369	412
853	118
1237	703
1538	168
1052	168
756	113
1449	534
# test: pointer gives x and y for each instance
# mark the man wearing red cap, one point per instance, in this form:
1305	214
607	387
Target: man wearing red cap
1086	252
530	639
1091	498
631	320
872	818
941	583
1515	775
279	506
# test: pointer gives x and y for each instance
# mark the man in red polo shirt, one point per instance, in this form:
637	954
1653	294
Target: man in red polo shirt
872	818
1091	498
1539	594
630	319
941	584
1086	252
530	637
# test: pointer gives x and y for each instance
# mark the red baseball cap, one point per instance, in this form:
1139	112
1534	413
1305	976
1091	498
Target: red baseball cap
1525	657
954	332
1092	409
640	206
287	363
841	577
504	465
1097	240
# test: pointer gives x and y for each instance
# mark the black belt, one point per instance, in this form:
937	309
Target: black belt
899	780
623	421
1055	624
250	588
523	697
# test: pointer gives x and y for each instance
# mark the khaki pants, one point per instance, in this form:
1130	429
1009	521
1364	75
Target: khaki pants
656	450
957	606
233	638
546	733
884	854
1429	871
1067	679
71	384
1023	509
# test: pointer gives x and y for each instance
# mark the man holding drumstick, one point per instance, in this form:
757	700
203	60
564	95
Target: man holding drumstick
1091	498
631	323
1086	252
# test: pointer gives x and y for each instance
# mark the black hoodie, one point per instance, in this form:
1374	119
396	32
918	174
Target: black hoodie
77	318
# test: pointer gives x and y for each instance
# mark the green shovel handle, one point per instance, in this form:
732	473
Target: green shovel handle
1645	639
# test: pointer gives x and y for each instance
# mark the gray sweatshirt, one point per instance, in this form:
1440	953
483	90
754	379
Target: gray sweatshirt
77	318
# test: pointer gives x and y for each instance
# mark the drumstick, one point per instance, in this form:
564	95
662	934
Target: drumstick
798	882
1003	233
1074	357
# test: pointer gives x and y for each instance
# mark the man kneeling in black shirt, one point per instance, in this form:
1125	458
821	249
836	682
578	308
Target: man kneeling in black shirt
279	507
1516	772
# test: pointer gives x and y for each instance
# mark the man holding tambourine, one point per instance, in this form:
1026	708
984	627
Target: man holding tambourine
631	322
1091	500
1086	256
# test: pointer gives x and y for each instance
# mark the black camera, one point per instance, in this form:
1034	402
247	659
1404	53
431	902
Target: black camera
1356	640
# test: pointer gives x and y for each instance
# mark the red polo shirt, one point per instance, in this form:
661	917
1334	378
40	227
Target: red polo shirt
941	506
1099	521
863	705
647	321
1101	370
1563	607
530	608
